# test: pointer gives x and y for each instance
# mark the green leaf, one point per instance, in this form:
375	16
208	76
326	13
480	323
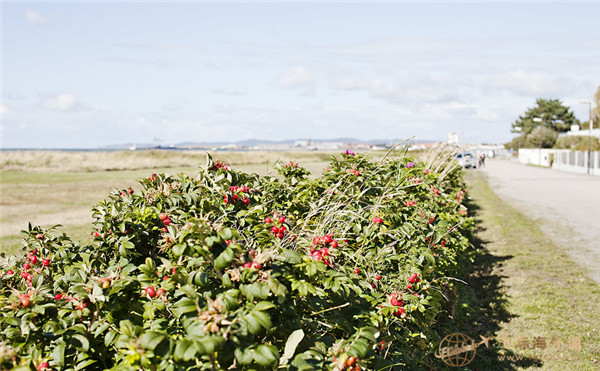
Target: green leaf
185	350
264	305
263	319
85	344
290	346
150	340
224	259
266	355
58	354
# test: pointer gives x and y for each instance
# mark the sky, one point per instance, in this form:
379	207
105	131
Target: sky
91	74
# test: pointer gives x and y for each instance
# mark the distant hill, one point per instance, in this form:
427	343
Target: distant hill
257	142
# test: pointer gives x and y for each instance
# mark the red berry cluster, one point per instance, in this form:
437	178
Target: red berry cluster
322	254
354	171
126	192
291	164
376	220
238	194
280	230
435	191
152	292
30	264
410	203
152	177
219	165
414	278
166	221
393	300
415	180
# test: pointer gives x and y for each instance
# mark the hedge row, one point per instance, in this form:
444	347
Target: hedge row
230	270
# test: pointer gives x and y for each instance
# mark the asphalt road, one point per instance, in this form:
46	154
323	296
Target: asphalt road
565	205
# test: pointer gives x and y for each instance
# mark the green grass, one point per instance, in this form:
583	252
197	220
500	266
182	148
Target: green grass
524	286
49	188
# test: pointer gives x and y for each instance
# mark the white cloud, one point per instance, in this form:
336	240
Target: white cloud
36	18
63	102
348	83
525	83
295	77
3	110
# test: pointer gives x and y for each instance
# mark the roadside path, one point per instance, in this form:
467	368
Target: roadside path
565	205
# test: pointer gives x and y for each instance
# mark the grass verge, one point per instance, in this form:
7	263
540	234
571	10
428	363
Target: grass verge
540	308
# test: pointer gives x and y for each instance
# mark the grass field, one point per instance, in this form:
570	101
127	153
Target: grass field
523	285
60	187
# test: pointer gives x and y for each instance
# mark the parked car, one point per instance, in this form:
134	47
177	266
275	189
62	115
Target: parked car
466	160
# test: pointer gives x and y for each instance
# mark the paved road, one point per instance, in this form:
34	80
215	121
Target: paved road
566	205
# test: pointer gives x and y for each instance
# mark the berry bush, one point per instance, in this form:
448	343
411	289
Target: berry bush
228	270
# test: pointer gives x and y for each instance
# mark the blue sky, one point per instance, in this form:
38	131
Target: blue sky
90	74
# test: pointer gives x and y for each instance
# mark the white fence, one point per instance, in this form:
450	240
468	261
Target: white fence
561	159
576	161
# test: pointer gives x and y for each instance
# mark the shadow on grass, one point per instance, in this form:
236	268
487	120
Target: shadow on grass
482	306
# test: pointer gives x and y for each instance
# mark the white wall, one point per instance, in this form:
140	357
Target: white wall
534	156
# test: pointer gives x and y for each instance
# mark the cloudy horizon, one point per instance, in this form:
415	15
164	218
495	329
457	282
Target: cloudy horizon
88	75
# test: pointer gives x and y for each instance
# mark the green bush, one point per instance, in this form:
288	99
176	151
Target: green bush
228	270
577	143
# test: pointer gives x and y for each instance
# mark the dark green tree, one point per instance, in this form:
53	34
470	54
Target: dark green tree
553	114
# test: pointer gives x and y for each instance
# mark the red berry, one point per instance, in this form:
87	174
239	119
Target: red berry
26	265
327	239
58	297
96	234
268	220
409	286
395	302
167	221
43	366
333	244
163	216
356	270
282	220
325	251
316	240
274	230
46	262
412	280
150	291
256	265
25	300
24	274
280	235
173	270
165	229
247	265
29	277
317	255
225	199
160	292
246	201
351	361
399	312
282	229
9	272
378	277
33	259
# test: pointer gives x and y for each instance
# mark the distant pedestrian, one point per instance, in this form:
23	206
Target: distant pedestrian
482	160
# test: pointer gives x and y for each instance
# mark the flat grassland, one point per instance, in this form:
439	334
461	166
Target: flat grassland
60	187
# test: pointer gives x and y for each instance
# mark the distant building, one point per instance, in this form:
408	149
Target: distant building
452	138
